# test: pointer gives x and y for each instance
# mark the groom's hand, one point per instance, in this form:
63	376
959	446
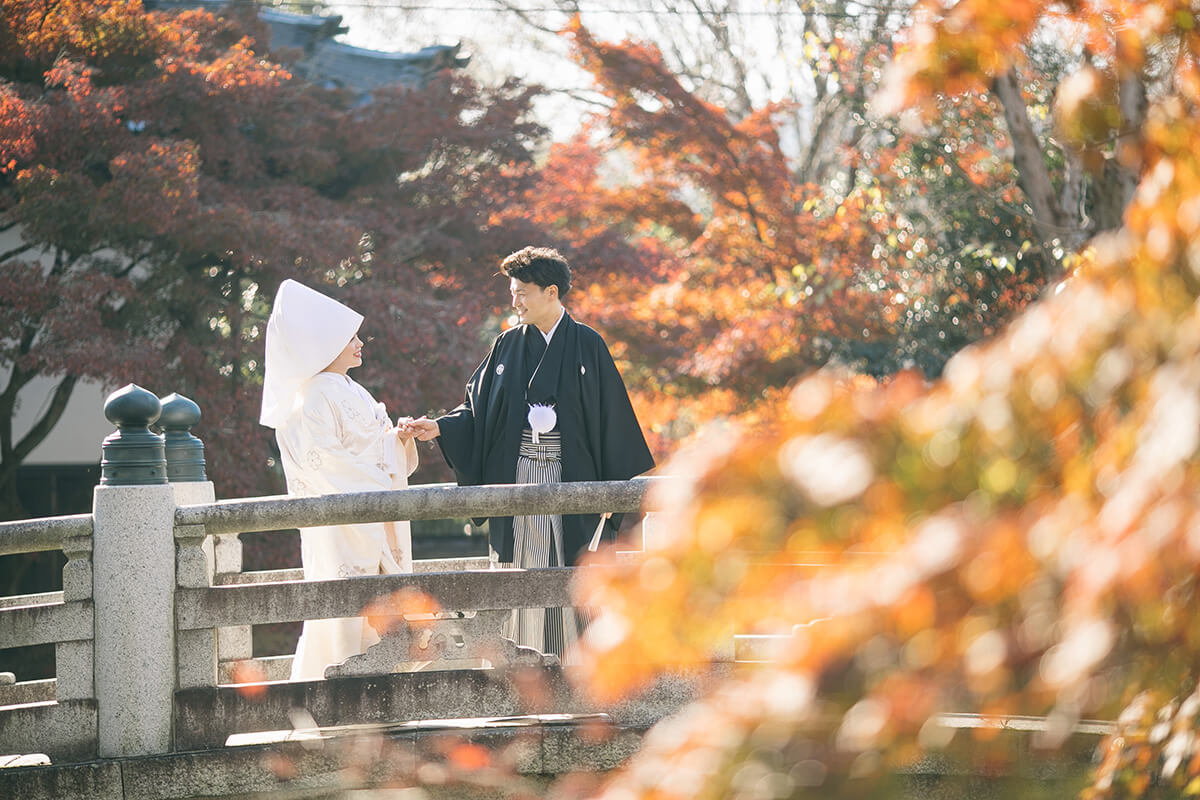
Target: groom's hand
424	429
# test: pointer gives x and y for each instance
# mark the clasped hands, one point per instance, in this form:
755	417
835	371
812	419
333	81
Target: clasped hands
424	429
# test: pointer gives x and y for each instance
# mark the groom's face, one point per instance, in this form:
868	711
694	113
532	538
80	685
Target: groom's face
533	304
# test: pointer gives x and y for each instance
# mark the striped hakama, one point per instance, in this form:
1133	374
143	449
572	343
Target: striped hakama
538	542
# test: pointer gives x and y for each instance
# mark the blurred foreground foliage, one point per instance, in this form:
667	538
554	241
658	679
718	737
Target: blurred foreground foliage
1021	537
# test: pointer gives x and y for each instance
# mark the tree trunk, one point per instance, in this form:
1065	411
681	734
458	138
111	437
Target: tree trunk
10	502
13	454
1032	175
1117	183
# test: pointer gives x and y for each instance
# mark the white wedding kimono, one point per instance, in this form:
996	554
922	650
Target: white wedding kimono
339	439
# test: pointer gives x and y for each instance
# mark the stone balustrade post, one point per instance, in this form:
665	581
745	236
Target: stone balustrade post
223	553
236	642
196	650
74	661
133	583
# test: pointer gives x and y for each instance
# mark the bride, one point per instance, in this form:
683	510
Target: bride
333	437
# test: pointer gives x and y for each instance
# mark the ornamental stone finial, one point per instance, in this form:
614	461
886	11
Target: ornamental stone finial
132	455
185	452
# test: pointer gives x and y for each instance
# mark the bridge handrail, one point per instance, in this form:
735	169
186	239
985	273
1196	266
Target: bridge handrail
440	501
294	601
41	534
46	623
434	501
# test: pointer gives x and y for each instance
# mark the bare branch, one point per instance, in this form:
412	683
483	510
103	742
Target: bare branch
41	429
717	23
5	256
17	379
61	262
584	96
134	263
1073	191
569	8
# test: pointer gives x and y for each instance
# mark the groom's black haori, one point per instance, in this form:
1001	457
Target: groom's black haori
601	439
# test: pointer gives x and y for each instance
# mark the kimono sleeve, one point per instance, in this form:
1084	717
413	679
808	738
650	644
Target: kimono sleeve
461	432
406	460
623	452
411	456
335	458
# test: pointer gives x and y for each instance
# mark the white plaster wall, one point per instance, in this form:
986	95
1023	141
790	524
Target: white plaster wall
77	437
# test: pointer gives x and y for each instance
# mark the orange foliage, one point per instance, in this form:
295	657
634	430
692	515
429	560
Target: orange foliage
469	756
385	613
719	276
173	171
250	680
1017	538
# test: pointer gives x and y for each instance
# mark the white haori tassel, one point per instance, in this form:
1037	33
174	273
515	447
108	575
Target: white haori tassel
599	530
542	419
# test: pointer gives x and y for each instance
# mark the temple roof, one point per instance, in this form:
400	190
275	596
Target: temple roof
334	64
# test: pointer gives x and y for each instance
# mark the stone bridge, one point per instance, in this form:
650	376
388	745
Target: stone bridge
157	694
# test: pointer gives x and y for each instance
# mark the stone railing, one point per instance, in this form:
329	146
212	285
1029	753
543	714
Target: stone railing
56	716
450	647
155	611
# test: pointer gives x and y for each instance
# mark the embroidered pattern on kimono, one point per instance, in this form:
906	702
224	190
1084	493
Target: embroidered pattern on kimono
339	439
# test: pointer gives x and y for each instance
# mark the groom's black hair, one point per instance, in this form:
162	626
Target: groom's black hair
544	266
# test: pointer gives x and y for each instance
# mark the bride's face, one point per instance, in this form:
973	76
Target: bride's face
349	358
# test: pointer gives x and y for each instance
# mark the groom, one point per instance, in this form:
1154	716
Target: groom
549	361
546	405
